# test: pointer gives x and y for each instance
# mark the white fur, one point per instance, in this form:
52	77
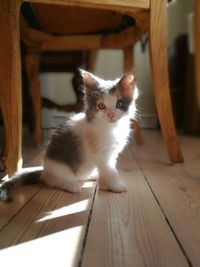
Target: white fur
111	138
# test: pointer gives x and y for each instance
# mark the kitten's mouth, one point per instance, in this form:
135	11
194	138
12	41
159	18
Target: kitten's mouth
111	120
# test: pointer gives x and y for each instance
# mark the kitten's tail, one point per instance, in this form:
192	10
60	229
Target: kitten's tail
26	176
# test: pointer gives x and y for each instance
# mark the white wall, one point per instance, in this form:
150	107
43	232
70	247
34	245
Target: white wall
177	18
109	64
58	88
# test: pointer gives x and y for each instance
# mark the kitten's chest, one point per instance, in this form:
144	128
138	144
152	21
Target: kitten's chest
99	141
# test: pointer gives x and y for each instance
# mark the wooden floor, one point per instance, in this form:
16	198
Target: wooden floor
156	223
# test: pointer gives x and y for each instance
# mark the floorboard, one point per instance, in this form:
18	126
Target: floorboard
176	188
21	197
51	227
155	223
44	226
32	157
129	229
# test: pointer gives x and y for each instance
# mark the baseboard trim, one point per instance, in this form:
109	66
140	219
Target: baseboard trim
149	121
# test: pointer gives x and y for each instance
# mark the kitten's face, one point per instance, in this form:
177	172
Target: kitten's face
108	100
111	107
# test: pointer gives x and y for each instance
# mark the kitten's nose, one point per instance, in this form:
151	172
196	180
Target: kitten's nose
111	115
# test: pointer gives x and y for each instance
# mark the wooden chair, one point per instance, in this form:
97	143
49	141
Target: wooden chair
149	15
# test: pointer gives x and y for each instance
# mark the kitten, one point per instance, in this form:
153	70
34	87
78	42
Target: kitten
88	141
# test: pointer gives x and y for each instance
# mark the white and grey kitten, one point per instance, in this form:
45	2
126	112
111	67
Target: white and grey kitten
90	141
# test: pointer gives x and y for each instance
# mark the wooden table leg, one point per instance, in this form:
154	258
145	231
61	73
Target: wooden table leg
10	90
158	57
128	66
32	62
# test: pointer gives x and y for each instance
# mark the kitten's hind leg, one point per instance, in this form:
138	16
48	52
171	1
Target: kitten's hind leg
60	176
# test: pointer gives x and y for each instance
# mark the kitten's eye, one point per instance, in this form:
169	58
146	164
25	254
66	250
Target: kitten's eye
101	106
119	104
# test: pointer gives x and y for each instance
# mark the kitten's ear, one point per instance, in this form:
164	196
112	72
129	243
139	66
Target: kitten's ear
89	80
127	84
77	82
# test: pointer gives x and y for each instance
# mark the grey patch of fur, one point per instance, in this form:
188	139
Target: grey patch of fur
91	100
126	101
31	177
5	191
66	147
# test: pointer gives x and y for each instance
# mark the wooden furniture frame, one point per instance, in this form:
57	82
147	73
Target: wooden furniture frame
150	15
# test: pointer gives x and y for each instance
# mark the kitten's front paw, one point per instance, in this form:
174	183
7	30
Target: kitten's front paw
73	187
102	184
118	187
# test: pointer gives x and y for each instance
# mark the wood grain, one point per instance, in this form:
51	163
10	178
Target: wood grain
32	65
176	191
65	22
124	5
128	58
32	157
48	42
138	132
129	229
190	148
10	89
126	38
93	54
21	196
51	226
138	226
158	57
79	42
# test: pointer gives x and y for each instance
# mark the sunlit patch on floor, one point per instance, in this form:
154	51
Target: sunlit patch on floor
58	249
88	184
64	211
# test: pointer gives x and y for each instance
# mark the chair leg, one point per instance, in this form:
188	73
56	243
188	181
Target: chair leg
138	132
32	69
10	92
158	57
128	58
128	66
92	59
